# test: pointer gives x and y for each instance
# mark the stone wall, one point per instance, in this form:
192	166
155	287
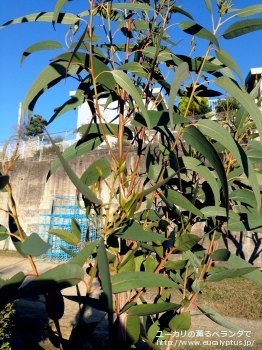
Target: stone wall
34	195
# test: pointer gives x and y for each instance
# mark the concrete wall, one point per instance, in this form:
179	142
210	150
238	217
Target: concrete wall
34	195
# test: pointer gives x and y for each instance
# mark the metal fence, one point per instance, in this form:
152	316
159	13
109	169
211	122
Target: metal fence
39	146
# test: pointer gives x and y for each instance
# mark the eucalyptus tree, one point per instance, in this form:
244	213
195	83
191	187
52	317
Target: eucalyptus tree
146	224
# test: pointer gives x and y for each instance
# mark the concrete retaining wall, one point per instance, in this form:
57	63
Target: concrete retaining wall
34	195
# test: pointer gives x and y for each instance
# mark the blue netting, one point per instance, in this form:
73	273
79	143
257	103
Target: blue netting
64	210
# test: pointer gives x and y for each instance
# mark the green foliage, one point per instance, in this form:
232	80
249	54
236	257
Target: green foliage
176	181
35	126
198	106
229	104
6	325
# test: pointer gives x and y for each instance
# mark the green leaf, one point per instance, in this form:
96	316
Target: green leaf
76	230
197	140
127	84
10	286
242	27
225	58
152	309
43	45
175	264
181	74
177	9
180	322
213	211
135	68
131	280
104	275
70	104
132	329
82	188
197	30
150	264
159	118
254	155
196	286
49	77
197	166
217	318
63	18
249	11
231	273
3	233
209	5
100	169
73	152
59	5
220	255
135	232
108	129
34	245
243	196
186	242
4	180
246	100
84	254
58	278
236	262
217	132
177	199
66	236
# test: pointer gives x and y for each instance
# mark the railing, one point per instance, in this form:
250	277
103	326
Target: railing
38	146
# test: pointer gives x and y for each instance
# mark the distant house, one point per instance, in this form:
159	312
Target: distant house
253	77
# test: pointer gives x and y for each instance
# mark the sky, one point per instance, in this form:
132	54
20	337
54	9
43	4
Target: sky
14	39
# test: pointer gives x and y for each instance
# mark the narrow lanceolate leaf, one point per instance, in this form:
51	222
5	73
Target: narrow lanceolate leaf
180	322
132	280
242	28
84	254
217	318
59	5
217	132
177	199
100	169
73	152
63	18
49	77
197	30
34	245
186	242
197	166
236	261
246	100
43	45
127	84
135	232
231	273
249	11
209	5
214	211
255	155
58	278
76	230
3	233
70	104
243	196
220	255
197	140
225	58
82	188
104	275
66	236
159	118
151	309
181	74
132	329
